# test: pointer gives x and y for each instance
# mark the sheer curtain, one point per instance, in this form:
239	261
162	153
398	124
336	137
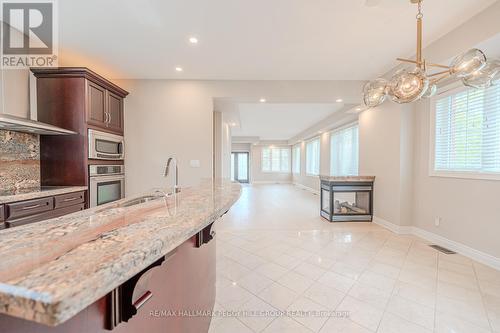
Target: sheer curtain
312	157
344	151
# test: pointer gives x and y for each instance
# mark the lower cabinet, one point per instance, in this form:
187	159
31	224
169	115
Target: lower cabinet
29	211
2	212
175	296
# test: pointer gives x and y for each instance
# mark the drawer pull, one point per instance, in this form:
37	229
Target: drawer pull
71	199
33	206
143	300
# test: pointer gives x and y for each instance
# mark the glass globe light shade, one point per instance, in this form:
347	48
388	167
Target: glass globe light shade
483	78
468	63
375	92
431	91
408	86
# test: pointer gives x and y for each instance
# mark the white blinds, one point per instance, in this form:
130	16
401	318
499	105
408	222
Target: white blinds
312	157
344	152
296	159
276	159
467	131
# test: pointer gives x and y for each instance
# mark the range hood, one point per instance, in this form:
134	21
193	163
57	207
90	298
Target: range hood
18	104
18	124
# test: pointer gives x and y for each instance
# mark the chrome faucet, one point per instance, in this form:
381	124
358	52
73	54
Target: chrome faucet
176	188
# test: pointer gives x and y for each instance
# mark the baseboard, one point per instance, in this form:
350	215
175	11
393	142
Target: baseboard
467	251
484	258
397	229
271	182
307	188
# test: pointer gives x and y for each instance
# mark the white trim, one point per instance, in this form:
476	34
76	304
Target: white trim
272	182
397	229
465	250
307	188
464	174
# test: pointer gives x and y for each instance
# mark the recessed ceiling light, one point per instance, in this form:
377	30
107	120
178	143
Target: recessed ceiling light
262	100
178	69
339	100
193	40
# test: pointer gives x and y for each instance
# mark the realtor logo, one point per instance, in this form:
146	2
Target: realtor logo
29	34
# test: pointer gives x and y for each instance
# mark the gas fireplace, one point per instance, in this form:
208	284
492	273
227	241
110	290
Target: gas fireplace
346	199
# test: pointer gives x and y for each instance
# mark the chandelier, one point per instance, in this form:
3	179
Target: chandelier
411	84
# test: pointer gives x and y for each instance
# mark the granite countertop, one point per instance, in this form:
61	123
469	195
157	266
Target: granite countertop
15	195
347	178
53	269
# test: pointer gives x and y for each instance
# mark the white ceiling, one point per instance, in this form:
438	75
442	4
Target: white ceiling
253	39
280	121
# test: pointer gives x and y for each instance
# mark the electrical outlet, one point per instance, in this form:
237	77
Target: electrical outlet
194	163
437	221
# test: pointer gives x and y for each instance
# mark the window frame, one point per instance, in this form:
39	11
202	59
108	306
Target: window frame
271	159
449	90
317	138
299	171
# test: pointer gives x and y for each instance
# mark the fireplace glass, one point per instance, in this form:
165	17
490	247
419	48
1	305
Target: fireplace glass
351	202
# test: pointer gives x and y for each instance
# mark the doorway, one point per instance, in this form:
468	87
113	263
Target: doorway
239	167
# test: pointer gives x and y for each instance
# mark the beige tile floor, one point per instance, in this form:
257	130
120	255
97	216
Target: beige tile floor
275	255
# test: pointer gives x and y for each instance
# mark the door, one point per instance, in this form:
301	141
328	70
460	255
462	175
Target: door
96	105
115	112
239	167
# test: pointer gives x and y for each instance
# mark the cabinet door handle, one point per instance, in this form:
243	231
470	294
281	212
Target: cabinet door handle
71	199
143	300
109	119
32	207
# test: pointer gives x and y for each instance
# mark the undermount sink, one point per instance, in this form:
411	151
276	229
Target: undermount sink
140	200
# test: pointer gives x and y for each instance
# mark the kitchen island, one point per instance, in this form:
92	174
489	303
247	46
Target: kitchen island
128	266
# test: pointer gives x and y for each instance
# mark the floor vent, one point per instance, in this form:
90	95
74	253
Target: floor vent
442	249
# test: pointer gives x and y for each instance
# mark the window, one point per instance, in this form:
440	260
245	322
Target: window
344	152
466	130
276	159
296	159
312	157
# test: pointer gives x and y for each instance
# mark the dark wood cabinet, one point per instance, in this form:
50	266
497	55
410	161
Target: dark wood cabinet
104	108
96	105
77	99
36	210
115	112
30	207
2	214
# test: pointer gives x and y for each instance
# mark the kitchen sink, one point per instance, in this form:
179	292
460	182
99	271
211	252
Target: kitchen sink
140	200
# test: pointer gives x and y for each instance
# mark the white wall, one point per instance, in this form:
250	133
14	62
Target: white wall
468	207
165	118
385	151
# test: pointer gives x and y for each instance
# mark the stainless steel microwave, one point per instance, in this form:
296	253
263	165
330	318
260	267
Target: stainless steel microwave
105	146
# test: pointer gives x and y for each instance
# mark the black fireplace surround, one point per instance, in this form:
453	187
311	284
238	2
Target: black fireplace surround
347	199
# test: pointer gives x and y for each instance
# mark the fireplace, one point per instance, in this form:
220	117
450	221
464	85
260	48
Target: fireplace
347	198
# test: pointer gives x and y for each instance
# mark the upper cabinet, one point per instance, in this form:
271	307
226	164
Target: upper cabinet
96	104
104	108
115	112
69	86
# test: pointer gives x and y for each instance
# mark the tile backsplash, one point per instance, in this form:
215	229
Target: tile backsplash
19	160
